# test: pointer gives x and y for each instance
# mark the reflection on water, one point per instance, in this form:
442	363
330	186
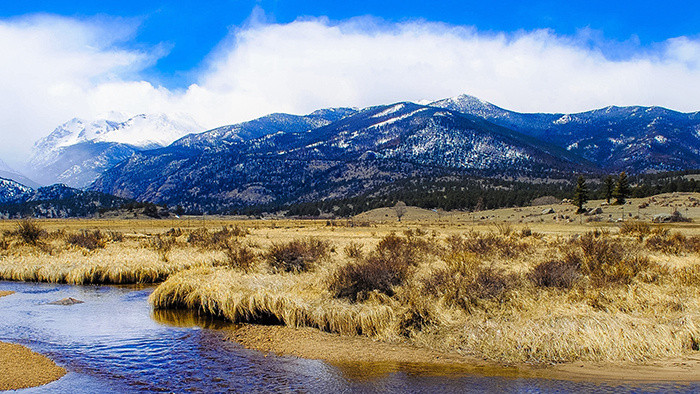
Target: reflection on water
115	343
186	318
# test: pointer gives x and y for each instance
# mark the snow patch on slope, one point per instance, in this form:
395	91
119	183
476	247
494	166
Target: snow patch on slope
390	110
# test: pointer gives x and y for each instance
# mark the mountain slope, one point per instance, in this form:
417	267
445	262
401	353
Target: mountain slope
55	201
634	139
11	191
363	150
261	127
76	152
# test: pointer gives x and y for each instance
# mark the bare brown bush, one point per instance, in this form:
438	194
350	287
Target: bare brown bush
467	283
639	229
216	240
353	250
606	261
488	244
673	243
162	245
29	231
388	265
240	256
556	273
300	255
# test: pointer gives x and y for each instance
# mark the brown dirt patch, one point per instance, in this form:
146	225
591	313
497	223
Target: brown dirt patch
22	368
673	370
362	357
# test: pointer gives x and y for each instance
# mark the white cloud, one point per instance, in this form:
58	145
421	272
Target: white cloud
59	68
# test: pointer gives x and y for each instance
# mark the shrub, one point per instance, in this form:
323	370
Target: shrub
467	283
239	256
298	255
388	265
356	280
29	231
673	243
89	240
485	244
556	273
638	229
116	236
162	245
354	250
174	232
216	240
605	260
419	313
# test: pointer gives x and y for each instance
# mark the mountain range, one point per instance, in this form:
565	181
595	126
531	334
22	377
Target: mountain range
339	153
344	152
634	139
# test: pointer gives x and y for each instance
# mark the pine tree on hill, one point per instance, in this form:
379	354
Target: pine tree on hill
608	187
580	194
622	189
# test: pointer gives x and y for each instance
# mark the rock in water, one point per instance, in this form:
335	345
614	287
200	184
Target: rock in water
67	301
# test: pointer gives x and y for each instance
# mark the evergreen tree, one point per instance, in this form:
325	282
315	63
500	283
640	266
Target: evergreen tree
608	187
622	189
580	194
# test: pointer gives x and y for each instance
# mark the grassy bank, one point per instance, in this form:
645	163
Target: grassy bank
508	295
31	253
537	292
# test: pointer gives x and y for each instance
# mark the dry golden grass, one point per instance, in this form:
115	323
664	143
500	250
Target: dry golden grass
476	295
469	286
294	300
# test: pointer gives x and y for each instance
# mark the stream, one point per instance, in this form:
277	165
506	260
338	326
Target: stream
115	343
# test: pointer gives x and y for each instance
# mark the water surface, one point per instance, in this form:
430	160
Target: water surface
114	343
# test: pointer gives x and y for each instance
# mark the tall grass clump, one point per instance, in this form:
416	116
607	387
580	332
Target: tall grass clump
29	231
216	240
89	240
292	300
299	255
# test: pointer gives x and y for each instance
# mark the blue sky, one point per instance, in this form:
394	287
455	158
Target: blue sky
221	62
192	29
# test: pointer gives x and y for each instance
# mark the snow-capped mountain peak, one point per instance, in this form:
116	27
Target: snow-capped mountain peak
76	152
141	131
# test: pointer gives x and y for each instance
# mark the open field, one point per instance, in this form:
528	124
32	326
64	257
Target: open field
540	291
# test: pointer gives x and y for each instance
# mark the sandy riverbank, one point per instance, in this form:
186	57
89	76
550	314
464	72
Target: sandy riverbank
366	358
21	368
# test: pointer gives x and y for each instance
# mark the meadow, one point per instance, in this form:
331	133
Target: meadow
518	286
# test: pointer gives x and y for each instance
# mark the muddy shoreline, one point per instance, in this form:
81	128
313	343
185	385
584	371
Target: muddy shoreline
353	354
